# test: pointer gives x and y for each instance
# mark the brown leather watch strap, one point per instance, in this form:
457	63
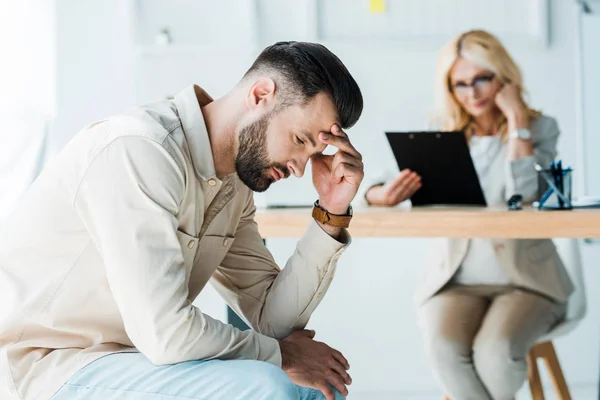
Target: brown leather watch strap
323	216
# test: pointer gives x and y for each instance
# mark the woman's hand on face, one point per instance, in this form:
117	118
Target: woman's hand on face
395	190
510	102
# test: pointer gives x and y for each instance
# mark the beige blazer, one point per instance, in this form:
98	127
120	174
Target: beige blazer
531	264
116	238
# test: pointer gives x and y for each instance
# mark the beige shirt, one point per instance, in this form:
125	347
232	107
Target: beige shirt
118	236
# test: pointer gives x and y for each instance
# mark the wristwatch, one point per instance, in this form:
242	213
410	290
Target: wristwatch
520	133
325	217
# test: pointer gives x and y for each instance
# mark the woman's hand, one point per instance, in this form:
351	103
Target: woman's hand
510	102
395	190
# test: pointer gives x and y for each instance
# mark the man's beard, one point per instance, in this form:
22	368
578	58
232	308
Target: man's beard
252	161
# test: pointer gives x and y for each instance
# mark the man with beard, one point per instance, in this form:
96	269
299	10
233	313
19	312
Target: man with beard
101	261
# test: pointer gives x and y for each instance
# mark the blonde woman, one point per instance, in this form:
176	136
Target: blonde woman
485	302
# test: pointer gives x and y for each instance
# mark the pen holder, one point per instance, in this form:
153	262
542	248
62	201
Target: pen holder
554	189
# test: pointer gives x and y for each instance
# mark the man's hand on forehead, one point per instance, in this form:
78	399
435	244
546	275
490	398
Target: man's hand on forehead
337	176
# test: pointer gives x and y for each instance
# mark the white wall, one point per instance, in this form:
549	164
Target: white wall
590	46
27	94
95	70
368	312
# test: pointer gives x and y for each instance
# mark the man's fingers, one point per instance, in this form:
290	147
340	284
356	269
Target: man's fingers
346	158
337	131
340	142
336	381
324	387
339	357
341	371
347	171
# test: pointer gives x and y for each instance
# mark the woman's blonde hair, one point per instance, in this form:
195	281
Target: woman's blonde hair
484	49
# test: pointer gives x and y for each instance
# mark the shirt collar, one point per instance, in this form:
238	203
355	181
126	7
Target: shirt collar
188	103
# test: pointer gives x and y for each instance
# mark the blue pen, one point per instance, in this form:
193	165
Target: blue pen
552	169
544	198
553	173
559	182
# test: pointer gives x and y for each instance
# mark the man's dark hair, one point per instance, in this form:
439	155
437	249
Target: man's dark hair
307	69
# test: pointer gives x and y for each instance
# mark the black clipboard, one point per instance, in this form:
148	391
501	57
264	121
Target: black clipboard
444	162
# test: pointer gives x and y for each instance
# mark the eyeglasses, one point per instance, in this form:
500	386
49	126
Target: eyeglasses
481	84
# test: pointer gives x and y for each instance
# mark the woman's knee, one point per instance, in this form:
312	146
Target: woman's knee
444	352
498	354
501	366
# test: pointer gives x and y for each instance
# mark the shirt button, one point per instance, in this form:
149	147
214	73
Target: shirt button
191	244
212	182
225	242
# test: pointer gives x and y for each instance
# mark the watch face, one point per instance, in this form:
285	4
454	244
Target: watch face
523	133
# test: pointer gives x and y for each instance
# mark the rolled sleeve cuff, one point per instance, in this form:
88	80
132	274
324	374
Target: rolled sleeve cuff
269	350
319	248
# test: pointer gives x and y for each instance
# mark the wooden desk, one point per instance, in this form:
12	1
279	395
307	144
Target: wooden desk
442	222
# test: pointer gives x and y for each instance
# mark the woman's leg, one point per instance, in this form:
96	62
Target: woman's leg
514	322
450	320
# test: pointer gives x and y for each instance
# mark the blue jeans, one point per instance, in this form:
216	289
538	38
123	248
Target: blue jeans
130	376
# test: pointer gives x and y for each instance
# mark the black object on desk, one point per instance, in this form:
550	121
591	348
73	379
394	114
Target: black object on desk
514	203
443	161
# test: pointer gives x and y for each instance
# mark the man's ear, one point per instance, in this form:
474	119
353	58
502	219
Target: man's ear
261	93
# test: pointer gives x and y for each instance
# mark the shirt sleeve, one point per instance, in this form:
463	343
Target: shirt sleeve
521	176
273	301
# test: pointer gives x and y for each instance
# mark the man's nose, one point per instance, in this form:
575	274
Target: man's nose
297	168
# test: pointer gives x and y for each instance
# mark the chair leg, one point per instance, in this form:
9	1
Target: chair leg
533	375
546	352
